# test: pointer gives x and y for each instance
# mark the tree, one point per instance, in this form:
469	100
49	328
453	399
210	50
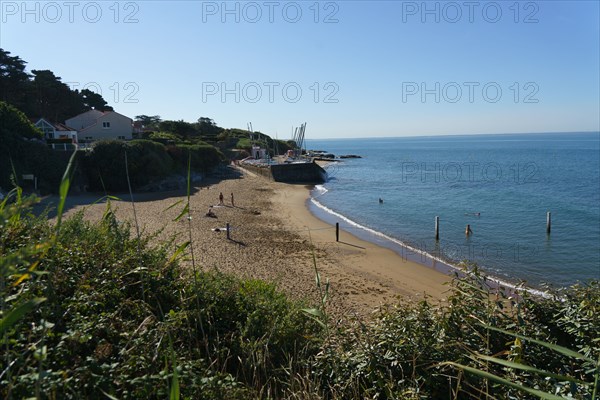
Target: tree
207	127
95	101
14	81
53	98
15	152
181	128
148	121
42	93
14	125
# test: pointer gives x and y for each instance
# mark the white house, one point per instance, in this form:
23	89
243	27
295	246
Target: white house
97	125
56	131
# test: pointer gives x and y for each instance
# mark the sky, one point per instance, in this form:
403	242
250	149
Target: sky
346	68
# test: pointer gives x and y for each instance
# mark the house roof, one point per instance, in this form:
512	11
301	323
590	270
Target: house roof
63	127
56	125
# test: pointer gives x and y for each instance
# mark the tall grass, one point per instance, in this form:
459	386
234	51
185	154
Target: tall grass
319	314
482	343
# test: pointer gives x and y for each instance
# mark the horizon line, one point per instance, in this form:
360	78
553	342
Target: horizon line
455	134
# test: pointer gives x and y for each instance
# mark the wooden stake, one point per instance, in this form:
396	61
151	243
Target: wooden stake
337	231
437	228
228	231
548	221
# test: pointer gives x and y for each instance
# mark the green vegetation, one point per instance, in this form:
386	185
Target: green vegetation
22	153
148	161
469	348
120	316
88	311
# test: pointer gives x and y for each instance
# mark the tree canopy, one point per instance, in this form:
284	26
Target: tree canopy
42	94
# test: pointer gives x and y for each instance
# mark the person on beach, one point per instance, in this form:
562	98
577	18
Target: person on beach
232	202
211	213
468	230
221	199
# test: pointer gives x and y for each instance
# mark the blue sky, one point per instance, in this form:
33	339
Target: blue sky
347	68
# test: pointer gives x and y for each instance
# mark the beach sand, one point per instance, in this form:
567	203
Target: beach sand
273	238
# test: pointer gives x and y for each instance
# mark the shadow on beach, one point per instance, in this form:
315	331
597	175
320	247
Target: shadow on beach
75	198
49	203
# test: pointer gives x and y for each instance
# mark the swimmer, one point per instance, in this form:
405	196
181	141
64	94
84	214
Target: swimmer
468	230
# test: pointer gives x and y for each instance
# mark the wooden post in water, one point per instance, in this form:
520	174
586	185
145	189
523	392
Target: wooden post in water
437	228
228	231
337	231
548	221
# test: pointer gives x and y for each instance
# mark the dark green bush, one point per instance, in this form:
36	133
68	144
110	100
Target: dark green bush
148	161
403	352
104	166
119	317
20	148
204	157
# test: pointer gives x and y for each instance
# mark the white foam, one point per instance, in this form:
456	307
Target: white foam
319	190
373	232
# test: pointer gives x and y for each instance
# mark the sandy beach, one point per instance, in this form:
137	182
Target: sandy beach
270	239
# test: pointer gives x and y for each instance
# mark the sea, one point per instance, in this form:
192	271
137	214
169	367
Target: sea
502	185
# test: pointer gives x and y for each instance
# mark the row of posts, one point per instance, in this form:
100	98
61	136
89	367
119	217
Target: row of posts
437	227
468	229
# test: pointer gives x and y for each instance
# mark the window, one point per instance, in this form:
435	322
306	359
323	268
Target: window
122	137
106	125
88	138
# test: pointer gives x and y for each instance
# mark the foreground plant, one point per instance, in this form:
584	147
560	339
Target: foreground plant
480	343
98	335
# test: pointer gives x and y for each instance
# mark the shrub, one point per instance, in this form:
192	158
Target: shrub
204	157
148	161
19	149
409	350
119	318
105	166
244	143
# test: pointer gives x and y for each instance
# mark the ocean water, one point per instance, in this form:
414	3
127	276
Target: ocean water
501	185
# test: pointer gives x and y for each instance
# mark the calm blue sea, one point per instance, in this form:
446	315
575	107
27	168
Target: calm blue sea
511	180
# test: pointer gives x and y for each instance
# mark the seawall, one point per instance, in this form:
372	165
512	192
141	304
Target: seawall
290	173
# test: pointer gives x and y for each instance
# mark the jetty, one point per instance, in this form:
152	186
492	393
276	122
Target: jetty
293	167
